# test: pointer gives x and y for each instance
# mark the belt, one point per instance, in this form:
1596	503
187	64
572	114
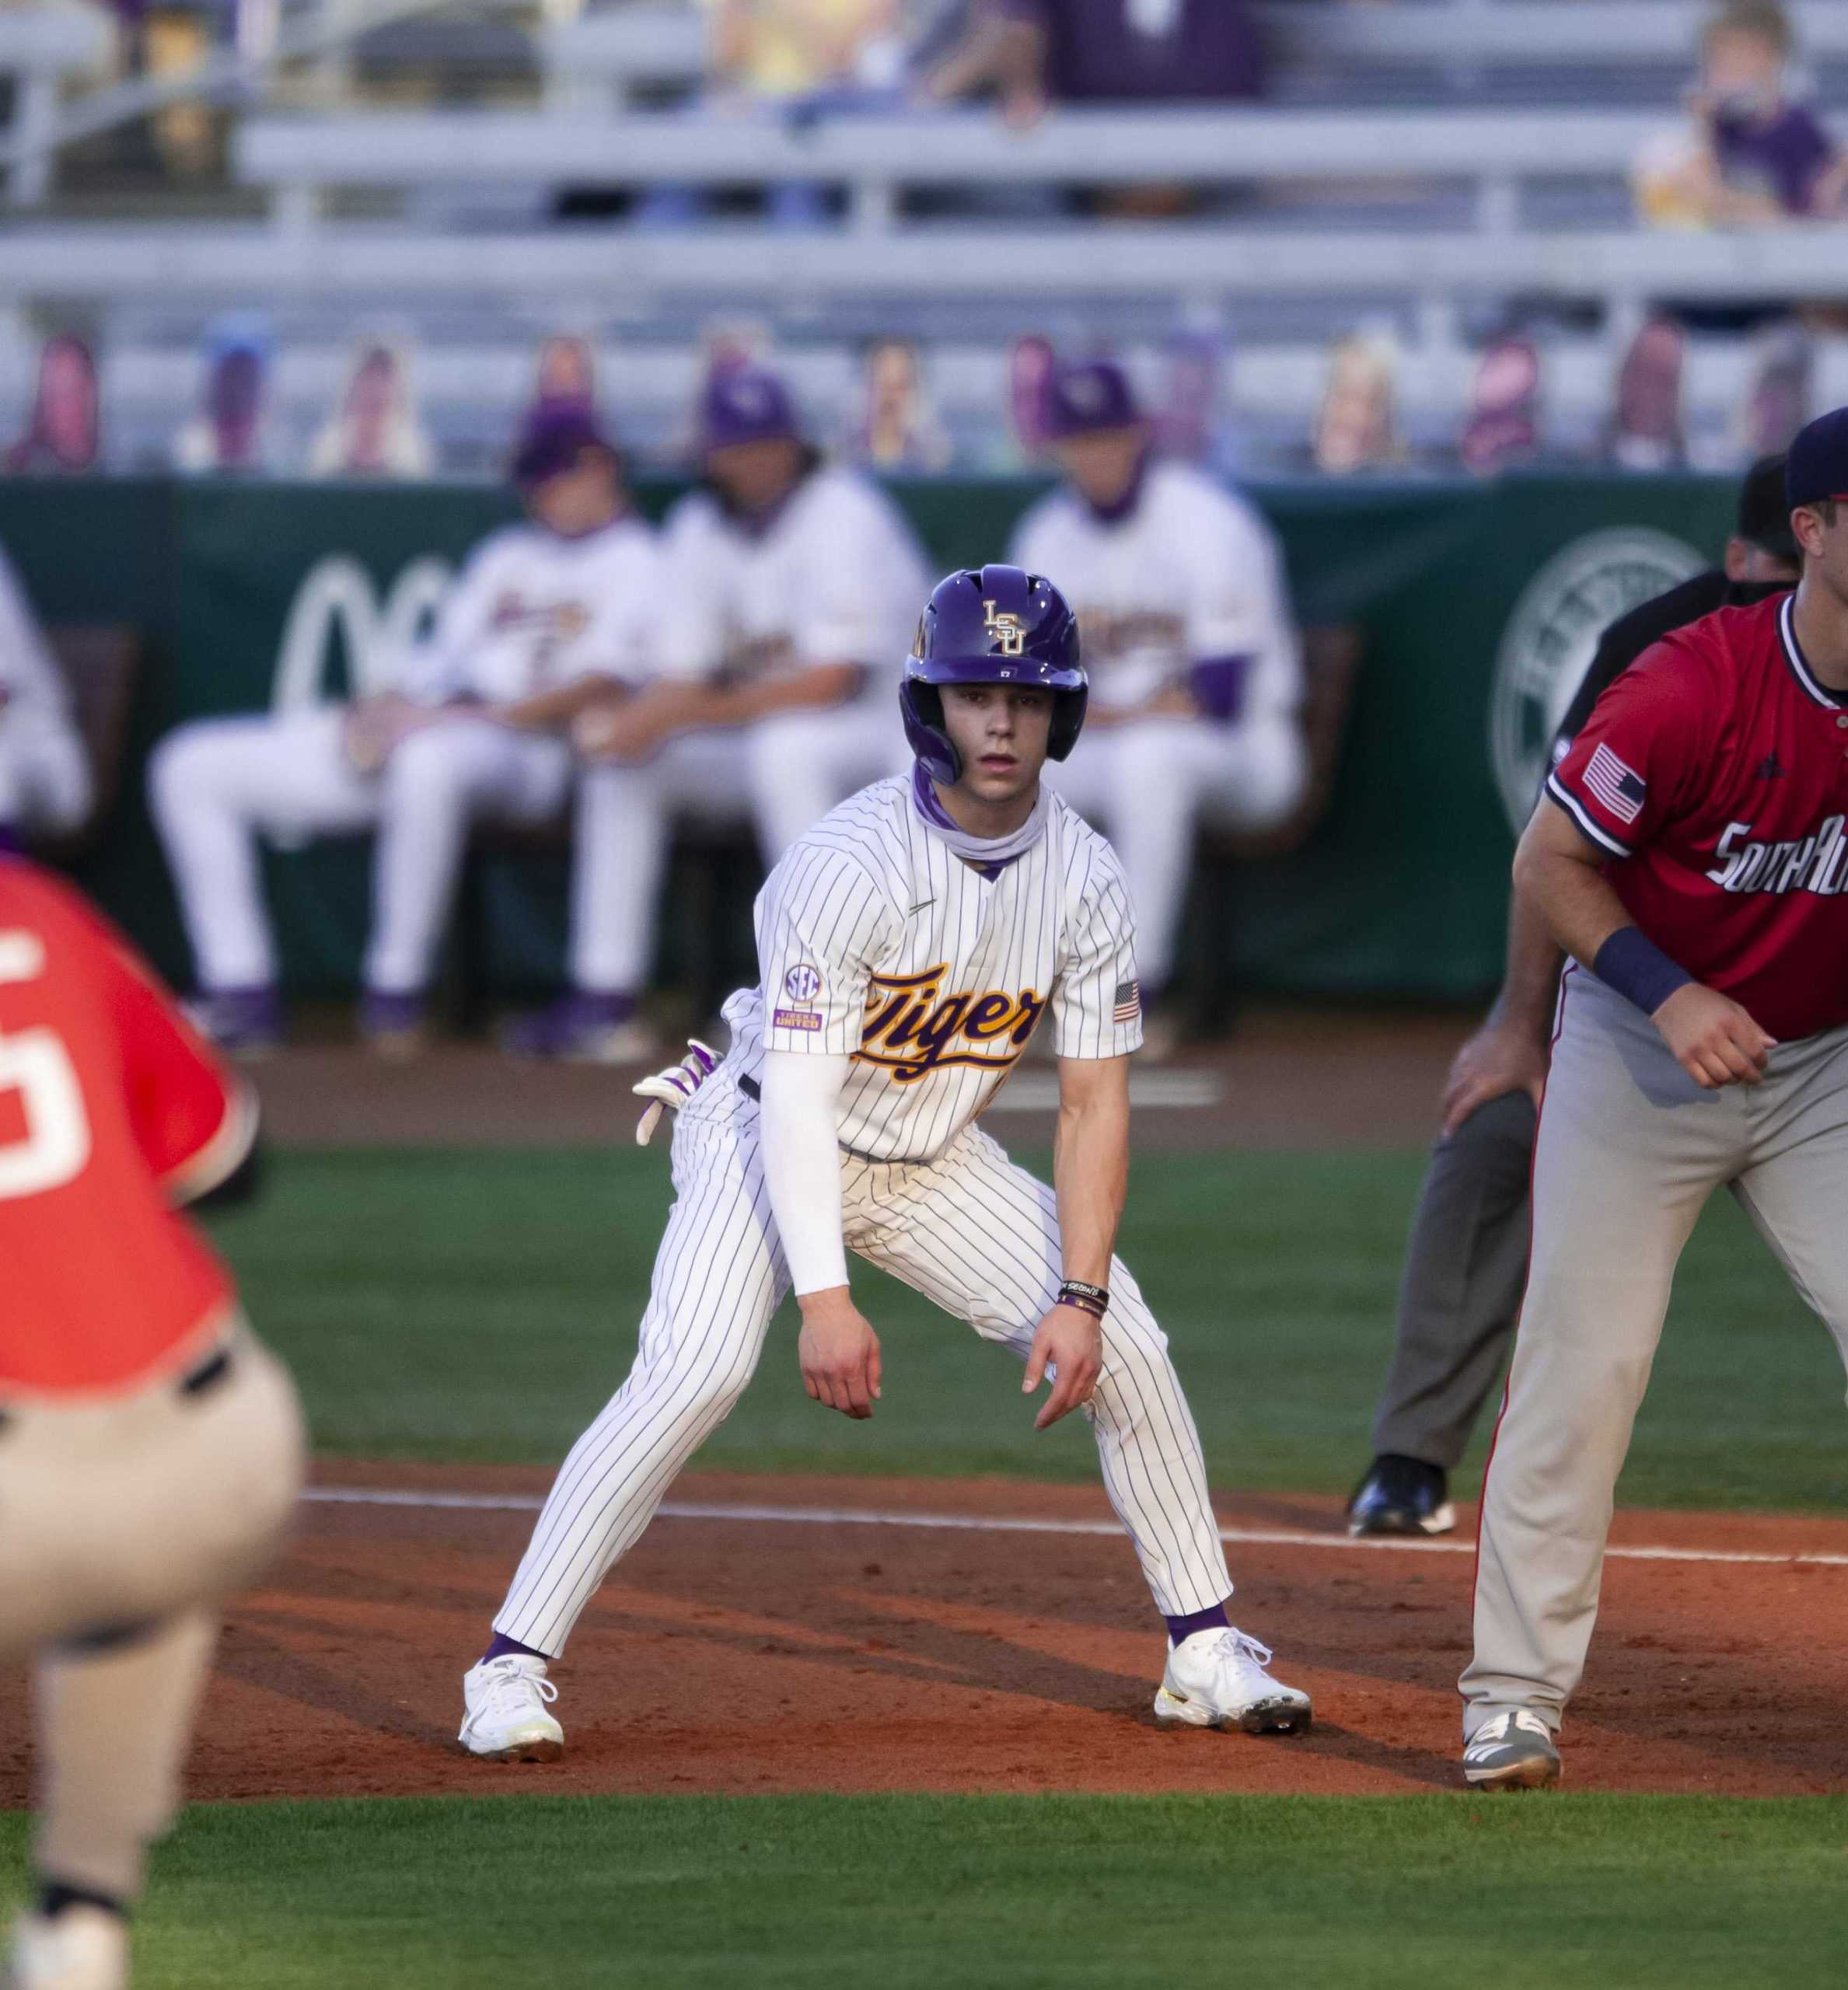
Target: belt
198	1381
215	1369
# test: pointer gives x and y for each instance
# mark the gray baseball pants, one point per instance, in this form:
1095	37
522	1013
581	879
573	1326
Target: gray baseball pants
1629	1149
1460	1292
137	1513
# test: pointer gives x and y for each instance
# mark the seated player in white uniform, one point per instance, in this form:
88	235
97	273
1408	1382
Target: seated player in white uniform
908	947
45	788
545	617
1196	678
790	586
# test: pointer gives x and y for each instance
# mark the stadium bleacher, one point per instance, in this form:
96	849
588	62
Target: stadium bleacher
1440	167
40	51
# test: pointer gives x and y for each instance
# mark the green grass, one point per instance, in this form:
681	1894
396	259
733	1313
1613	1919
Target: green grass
959	1893
482	1305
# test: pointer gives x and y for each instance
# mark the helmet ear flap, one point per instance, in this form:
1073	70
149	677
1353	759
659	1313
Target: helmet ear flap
1068	722
922	705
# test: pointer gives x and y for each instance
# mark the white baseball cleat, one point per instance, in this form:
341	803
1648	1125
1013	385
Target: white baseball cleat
1216	1679
84	1948
1515	1751
506	1721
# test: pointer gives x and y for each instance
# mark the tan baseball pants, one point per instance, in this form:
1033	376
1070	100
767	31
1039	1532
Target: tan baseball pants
1629	1149
124	1522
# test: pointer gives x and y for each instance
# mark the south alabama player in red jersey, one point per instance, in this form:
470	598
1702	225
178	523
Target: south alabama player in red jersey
150	1449
908	945
1691	856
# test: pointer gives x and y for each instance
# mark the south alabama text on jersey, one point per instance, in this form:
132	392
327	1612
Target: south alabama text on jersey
876	942
1817	862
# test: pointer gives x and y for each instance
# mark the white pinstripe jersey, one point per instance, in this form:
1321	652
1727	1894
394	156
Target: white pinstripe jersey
833	578
532	610
1192	571
875	941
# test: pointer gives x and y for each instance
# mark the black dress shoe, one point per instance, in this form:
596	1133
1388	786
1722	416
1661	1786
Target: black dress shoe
1401	1496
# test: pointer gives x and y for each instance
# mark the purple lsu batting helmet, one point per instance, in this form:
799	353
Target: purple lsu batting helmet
991	625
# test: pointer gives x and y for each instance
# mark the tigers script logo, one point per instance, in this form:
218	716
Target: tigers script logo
912	1027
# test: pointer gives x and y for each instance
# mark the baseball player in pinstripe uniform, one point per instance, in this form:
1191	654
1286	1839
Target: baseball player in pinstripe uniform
908	946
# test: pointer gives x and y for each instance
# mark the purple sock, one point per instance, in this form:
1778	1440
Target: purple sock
502	1647
1214	1619
601	1005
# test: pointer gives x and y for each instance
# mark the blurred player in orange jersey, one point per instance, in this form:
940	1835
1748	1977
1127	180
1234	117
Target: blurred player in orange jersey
150	1449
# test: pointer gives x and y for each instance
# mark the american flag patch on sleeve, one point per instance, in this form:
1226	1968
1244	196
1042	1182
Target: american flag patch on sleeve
1616	785
1129	1002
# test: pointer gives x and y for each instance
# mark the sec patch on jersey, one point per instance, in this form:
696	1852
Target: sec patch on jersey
803	983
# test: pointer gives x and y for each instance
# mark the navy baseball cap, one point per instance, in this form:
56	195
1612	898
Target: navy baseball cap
1817	468
745	404
1081	400
556	434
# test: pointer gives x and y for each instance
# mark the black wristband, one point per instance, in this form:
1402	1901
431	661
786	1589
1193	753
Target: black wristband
1088	1298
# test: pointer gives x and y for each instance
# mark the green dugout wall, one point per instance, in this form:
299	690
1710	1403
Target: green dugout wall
1477	604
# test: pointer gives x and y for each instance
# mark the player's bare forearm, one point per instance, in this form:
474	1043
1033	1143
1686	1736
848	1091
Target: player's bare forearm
1531	973
1091	1175
1713	1039
809	690
812	689
550	711
1508	1054
1559	872
1090	1162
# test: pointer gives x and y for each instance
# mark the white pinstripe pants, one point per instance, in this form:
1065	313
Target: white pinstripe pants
971	1232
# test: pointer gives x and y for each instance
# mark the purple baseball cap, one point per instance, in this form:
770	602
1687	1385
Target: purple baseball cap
1083	399
745	404
556	434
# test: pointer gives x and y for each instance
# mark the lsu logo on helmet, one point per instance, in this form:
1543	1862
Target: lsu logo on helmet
1009	632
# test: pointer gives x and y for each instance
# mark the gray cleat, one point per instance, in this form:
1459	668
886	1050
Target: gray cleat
1513	1751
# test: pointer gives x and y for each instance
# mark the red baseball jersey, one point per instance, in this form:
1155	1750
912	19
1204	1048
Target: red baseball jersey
1715	769
112	1112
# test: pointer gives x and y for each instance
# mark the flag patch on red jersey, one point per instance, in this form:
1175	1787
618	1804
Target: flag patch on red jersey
1129	1002
1615	784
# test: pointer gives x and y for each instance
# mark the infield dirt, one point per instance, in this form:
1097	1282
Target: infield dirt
749	1656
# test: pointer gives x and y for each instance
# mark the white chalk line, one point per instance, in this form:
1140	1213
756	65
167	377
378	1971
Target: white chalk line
515	1503
1038	1092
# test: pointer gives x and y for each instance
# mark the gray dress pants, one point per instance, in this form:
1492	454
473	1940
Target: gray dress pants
1460	1292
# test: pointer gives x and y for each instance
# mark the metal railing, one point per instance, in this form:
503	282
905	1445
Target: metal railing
610	268
874	157
38	51
223	75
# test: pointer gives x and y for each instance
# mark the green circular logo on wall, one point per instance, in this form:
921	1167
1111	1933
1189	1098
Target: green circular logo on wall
1552	637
